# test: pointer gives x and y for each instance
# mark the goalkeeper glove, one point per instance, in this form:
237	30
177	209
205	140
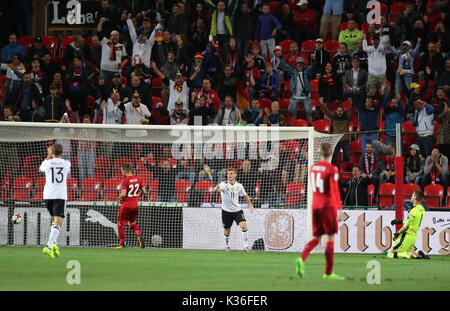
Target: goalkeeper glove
396	222
396	234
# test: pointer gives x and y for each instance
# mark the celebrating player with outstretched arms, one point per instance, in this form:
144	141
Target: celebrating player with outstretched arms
326	201
56	171
131	189
230	191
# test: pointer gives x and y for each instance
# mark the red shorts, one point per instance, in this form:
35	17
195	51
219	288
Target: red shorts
127	214
324	222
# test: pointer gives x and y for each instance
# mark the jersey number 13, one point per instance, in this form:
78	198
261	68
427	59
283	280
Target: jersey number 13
59	175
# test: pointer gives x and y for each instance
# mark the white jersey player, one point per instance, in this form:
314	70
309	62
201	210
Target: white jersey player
56	172
230	192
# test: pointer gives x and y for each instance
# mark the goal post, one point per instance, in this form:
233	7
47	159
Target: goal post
179	165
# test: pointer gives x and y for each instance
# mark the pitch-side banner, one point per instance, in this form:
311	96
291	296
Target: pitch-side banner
90	225
281	229
368	232
371	232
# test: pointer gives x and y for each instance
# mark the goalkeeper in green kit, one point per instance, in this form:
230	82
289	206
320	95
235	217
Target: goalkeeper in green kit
405	238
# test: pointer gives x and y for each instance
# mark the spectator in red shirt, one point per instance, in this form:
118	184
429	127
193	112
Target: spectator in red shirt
253	78
294	53
432	16
207	90
305	20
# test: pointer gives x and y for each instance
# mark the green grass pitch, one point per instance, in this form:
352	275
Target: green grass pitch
26	268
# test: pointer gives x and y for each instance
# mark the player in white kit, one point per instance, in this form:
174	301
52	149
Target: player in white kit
56	171
230	191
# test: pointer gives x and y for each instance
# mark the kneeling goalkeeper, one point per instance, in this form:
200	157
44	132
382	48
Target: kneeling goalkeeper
406	237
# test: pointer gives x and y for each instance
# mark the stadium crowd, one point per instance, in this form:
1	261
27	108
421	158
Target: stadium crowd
292	63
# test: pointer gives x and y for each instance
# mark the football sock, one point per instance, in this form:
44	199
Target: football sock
329	250
121	233
54	232
135	228
244	238
308	248
227	240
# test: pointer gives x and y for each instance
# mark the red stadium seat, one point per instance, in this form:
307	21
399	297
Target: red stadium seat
387	192
51	43
396	9
346	166
208	187
88	41
102	168
64	43
111	189
72	188
22	187
408	190
298	122
429	93
284	103
323	126
308	46
365	27
26	42
355	152
274	7
31	166
38	189
264	103
384	8
181	188
291	146
332	46
156	100
434	194
286	45
409	135
90	189
295	193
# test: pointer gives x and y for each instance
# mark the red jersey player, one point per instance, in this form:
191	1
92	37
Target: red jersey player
326	201
130	190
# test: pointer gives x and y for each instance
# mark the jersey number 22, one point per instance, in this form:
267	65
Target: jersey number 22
133	190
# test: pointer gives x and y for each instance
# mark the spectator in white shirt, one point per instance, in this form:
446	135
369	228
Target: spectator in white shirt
110	109
114	54
377	64
142	47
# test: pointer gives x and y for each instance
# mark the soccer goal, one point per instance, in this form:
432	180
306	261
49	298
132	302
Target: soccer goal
180	165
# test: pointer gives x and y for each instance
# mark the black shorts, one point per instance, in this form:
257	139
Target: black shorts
228	217
56	207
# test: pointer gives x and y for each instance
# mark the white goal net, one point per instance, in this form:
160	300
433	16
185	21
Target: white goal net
179	165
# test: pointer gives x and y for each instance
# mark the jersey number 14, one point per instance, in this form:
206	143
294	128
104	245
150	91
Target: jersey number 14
317	182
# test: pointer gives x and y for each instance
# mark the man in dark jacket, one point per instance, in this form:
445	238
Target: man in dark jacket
356	194
340	123
166	175
241	27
